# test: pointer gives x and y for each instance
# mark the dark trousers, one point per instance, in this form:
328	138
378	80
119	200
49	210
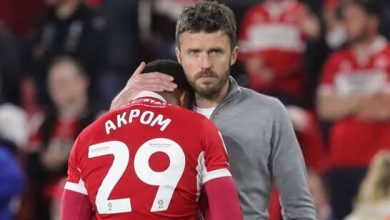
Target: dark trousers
343	185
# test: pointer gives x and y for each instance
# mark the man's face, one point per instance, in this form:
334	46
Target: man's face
206	59
355	20
66	85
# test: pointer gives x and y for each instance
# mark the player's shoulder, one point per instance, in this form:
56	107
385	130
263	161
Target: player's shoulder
95	127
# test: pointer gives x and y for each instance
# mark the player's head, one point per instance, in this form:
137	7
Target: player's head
183	94
361	18
67	82
209	17
206	46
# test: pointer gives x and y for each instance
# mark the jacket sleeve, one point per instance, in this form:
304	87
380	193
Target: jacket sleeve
288	168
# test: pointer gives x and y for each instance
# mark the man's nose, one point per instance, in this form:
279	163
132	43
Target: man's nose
205	60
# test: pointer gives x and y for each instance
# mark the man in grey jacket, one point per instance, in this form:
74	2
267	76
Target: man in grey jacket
256	129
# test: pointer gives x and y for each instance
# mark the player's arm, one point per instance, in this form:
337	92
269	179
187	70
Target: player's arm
75	206
219	199
330	104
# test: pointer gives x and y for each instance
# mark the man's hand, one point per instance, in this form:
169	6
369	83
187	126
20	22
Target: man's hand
154	81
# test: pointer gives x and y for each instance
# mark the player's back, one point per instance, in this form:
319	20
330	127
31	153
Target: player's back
146	161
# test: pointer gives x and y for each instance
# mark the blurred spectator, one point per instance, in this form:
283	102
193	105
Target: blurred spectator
123	53
272	42
68	27
13	137
9	67
158	23
355	94
335	34
373	201
50	146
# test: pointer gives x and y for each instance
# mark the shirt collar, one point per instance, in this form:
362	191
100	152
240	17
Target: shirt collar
144	94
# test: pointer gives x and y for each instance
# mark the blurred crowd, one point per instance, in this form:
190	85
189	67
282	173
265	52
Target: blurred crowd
328	61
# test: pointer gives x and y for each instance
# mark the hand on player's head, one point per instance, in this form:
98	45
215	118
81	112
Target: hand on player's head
153	81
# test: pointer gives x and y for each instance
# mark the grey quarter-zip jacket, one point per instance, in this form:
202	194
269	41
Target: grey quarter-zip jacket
263	149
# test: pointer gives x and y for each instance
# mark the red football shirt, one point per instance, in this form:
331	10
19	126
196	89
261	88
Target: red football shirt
270	31
147	160
354	142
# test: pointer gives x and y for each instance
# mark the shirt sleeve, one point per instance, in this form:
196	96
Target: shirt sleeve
330	69
214	159
327	81
288	168
219	200
74	182
76	206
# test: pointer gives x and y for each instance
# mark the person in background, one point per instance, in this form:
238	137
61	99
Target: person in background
354	95
67	28
373	200
13	140
273	39
50	145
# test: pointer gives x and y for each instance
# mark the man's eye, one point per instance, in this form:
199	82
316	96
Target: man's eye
215	52
193	52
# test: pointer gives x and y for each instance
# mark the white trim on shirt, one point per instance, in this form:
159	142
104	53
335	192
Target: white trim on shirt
76	187
215	174
145	93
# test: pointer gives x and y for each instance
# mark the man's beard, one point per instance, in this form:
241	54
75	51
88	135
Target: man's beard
359	38
211	90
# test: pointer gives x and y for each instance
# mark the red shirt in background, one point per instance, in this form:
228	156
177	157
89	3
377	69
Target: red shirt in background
271	33
354	142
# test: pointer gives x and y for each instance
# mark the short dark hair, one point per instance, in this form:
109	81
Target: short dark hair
207	16
68	59
171	68
371	7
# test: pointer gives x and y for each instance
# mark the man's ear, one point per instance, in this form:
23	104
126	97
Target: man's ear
177	51
185	99
234	55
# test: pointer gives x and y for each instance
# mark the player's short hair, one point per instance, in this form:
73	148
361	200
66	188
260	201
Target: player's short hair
209	17
171	68
371	7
